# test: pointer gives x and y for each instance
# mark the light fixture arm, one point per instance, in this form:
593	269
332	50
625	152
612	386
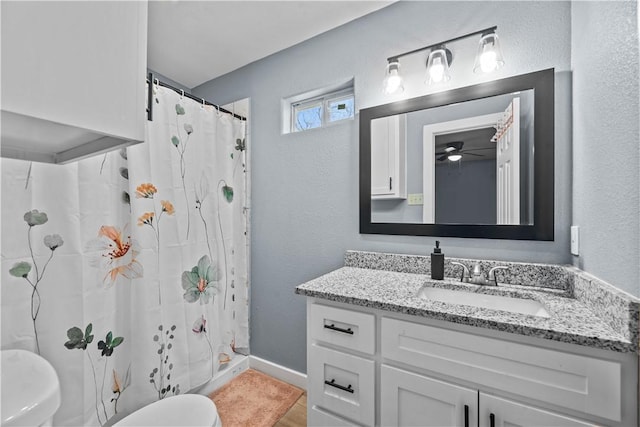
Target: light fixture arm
489	30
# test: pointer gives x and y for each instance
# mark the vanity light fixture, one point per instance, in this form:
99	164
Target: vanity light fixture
488	58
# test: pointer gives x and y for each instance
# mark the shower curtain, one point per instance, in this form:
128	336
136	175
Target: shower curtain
128	271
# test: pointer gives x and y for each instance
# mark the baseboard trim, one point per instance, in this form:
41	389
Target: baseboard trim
238	365
278	371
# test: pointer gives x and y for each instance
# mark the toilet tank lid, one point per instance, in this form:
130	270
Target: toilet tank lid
30	388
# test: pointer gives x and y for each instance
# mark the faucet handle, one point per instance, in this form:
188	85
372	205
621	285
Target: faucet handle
492	273
465	271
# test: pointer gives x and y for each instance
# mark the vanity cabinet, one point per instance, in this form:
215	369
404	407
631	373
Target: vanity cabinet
405	371
388	158
73	78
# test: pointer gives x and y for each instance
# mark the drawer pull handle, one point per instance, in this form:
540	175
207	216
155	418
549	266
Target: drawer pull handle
466	415
492	420
335	328
332	383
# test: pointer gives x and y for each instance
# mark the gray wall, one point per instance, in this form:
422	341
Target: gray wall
466	192
606	143
304	212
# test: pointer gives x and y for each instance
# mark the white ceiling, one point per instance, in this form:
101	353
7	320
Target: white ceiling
192	42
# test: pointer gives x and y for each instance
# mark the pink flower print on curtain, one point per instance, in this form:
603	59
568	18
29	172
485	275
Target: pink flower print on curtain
116	256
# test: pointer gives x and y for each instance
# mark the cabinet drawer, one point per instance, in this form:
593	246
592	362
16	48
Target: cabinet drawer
342	383
318	417
589	385
345	328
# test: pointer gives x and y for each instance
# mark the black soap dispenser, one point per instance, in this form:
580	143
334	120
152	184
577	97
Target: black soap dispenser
437	263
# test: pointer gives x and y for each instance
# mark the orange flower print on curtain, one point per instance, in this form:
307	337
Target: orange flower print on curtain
152	218
148	191
116	256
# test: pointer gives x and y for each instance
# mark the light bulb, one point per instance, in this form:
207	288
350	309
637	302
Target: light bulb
438	66
454	157
436	72
393	80
488	61
392	83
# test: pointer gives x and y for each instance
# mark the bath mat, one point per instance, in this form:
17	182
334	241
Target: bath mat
254	399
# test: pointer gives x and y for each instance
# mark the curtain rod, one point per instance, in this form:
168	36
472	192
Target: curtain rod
183	93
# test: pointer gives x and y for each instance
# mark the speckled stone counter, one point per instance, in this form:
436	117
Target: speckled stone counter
380	281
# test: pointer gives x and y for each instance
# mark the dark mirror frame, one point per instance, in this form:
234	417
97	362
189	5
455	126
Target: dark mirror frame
542	82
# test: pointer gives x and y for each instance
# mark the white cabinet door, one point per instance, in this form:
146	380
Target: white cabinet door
73	75
388	157
409	399
497	412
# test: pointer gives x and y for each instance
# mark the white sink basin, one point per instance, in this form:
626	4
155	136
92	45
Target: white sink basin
494	302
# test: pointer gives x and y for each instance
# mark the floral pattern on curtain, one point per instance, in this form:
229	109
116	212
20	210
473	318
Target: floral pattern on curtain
128	271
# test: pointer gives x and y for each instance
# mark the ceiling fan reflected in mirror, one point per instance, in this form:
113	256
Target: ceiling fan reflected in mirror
453	152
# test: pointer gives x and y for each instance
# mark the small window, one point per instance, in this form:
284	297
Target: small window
340	108
306	116
311	112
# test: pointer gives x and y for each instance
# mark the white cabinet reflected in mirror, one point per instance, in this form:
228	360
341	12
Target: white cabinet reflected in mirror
388	158
467	163
470	162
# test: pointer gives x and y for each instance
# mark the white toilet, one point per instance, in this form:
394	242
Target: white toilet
30	389
185	410
31	396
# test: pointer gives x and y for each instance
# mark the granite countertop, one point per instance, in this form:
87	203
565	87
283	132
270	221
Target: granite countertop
570	320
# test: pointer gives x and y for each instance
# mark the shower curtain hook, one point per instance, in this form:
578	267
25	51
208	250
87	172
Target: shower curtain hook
202	104
156	82
181	94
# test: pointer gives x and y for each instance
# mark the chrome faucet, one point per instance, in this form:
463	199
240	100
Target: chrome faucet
477	278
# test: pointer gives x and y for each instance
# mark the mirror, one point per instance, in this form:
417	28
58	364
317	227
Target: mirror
470	162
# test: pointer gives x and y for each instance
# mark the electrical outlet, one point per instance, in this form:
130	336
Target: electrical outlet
416	199
575	240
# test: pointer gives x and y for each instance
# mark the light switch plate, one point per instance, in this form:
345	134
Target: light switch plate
575	240
416	199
